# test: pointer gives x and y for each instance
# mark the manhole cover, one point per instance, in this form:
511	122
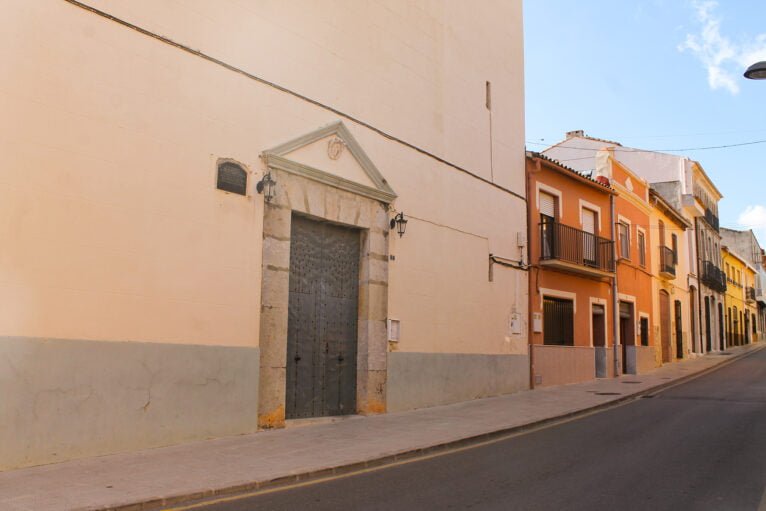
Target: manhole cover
608	393
629	381
648	396
725	354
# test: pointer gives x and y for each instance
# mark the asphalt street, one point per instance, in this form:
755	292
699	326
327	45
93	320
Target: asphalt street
699	445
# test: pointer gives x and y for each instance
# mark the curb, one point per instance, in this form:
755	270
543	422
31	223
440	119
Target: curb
172	500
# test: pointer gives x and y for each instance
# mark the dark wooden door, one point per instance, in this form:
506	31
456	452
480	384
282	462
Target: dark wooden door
679	331
322	319
627	332
665	326
708	332
598	319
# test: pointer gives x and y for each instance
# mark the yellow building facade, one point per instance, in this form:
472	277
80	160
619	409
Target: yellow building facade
741	309
672	260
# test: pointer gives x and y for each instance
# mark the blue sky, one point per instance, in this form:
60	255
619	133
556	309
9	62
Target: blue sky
656	74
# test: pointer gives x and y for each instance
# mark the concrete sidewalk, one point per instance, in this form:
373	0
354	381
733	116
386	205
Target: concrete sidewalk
153	478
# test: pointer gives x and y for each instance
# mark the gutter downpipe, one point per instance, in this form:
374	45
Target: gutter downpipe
615	303
538	168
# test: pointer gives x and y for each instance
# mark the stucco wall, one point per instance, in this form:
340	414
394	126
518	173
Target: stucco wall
421	61
417	380
64	399
560	365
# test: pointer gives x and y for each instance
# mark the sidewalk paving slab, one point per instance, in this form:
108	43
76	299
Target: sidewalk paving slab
153	478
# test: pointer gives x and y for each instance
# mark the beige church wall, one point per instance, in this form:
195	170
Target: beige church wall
421	61
128	204
119	252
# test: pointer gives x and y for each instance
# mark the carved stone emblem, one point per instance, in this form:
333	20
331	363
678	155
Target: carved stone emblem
629	184
335	148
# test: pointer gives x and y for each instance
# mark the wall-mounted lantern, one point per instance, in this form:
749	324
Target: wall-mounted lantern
266	186
400	223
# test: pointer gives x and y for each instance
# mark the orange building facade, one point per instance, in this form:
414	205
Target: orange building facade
636	335
571	258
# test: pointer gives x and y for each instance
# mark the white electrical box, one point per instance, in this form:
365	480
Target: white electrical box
394	330
521	239
537	322
515	324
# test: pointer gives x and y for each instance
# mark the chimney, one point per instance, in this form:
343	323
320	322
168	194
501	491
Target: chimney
575	133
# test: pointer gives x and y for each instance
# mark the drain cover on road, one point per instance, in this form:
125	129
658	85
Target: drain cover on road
630	381
608	393
725	354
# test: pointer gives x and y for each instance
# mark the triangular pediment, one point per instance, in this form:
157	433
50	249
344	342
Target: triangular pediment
332	156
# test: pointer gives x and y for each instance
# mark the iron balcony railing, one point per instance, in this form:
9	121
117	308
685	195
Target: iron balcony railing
711	218
713	276
667	261
565	243
750	293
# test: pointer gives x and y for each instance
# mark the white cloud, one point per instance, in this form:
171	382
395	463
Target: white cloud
724	60
754	217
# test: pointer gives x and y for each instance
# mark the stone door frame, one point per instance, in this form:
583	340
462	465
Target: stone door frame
311	193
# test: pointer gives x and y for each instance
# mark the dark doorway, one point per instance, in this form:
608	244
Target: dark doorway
322	319
665	326
720	326
708	340
627	331
598	328
679	330
598	318
693	314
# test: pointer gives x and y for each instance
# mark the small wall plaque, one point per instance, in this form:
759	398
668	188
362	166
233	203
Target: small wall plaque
232	178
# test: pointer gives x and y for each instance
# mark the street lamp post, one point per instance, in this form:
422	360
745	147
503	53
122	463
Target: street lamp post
757	71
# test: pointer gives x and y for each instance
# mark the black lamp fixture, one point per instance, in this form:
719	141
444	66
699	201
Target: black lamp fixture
757	71
400	223
266	187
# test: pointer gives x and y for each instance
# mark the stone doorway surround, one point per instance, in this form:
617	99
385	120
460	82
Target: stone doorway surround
316	179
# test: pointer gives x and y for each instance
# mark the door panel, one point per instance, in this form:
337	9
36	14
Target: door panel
322	319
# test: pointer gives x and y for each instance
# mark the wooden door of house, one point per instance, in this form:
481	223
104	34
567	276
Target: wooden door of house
679	330
322	319
665	326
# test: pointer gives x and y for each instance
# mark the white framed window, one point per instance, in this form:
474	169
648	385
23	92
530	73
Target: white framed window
623	231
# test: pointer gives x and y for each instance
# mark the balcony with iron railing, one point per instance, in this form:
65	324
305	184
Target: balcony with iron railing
711	218
750	294
713	277
667	263
566	248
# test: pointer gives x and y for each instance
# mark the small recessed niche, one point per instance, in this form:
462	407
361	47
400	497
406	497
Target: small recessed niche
232	177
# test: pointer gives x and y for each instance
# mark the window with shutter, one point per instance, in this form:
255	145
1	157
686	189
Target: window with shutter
547	205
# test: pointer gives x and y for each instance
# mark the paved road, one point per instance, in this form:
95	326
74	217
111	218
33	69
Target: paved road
701	445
